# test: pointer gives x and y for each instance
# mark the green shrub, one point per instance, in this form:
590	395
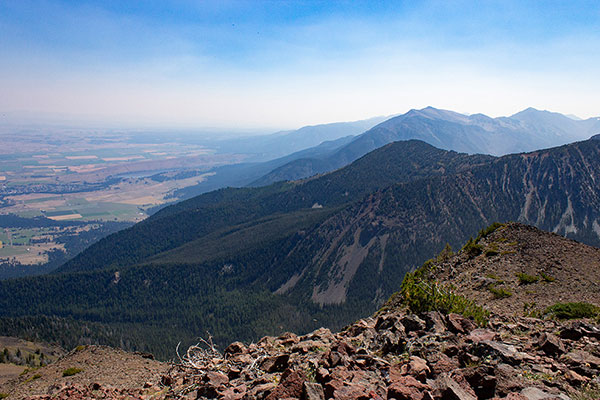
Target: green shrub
489	230
4	395
530	310
498	292
495	277
71	371
492	251
547	278
572	310
33	378
424	270
445	254
526	279
420	295
472	248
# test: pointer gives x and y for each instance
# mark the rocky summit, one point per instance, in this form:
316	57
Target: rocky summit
393	355
427	342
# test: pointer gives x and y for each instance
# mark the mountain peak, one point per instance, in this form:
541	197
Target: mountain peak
434	113
534	112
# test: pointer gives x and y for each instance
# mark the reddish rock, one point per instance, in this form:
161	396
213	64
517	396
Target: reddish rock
408	388
391	342
236	348
215	379
288	338
322	374
442	364
290	385
582	358
515	396
264	389
508	380
418	368
479	335
413	323
395	372
454	387
435	322
481	379
459	324
276	363
551	344
389	322
354	392
575	379
312	391
166	380
331	387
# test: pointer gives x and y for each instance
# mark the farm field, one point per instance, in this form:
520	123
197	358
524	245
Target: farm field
113	177
82	181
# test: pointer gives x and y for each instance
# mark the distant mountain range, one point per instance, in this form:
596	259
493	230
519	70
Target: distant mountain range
322	251
281	144
527	130
266	153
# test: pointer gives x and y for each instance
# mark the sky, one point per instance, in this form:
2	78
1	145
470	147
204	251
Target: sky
285	64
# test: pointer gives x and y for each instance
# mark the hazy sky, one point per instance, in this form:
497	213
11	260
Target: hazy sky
284	64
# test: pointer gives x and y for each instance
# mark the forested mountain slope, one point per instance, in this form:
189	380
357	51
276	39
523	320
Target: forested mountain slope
207	213
369	246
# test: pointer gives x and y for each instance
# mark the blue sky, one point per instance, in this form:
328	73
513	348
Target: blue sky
284	64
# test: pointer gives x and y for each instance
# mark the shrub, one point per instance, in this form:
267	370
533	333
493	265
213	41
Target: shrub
445	254
492	251
33	378
71	371
495	277
421	296
489	230
572	310
530	310
526	279
498	292
547	278
472	248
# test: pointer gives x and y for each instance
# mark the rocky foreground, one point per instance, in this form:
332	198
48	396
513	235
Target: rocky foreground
394	355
